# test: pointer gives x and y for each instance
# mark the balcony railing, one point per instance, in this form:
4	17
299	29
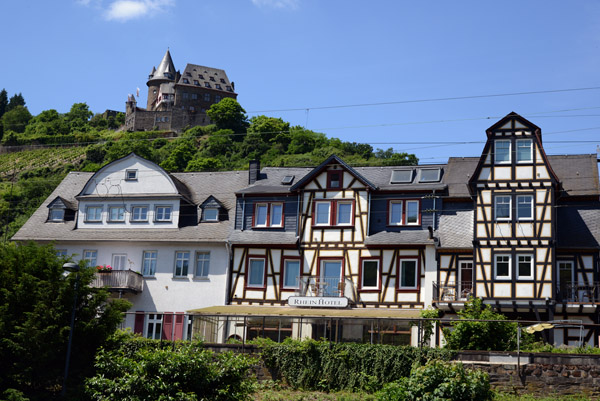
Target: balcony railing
451	291
579	293
314	286
119	281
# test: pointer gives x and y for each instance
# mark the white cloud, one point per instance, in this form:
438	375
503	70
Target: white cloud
289	4
125	10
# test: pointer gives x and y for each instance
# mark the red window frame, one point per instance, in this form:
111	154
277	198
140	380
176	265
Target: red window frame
285	258
417	274
269	223
333	209
403	222
360	274
247	273
330	174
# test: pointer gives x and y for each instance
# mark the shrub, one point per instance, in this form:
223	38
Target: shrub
439	381
321	365
141	369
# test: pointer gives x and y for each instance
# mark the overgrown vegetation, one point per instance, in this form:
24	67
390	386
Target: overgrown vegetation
36	300
136	368
326	366
439	381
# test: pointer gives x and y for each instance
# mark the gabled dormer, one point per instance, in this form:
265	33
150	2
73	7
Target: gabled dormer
133	192
60	210
212	211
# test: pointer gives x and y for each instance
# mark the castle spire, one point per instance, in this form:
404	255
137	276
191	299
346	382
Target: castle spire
165	70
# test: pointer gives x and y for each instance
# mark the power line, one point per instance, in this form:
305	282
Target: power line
440	99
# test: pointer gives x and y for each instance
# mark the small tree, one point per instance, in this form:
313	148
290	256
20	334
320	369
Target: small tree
492	335
229	114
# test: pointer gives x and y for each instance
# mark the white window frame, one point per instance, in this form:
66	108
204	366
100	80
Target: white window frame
131	175
122	259
531	207
362	275
316	222
509	261
156	320
337	213
406	205
164	207
202	258
184	258
519	142
87	214
150	259
496	197
132	217
90	255
266	215
498	141
60	216
272	222
210	217
262	276
401	271
117	220
390	207
531	265
286	273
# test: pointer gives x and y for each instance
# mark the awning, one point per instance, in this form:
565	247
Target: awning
287	311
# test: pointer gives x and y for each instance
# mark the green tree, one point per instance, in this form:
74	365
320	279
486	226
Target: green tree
268	127
492	335
229	114
48	122
78	117
3	102
35	308
119	149
16	119
204	164
15	101
179	157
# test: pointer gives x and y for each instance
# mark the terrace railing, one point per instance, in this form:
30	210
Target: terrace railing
119	281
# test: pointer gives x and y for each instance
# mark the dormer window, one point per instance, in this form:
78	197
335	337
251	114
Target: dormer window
131	175
268	214
162	213
210	214
186	81
56	214
502	151
93	214
116	214
334	179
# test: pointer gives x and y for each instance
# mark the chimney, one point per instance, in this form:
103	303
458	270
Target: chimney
253	171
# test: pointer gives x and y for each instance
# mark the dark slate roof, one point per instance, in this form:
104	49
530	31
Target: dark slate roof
406	237
455	229
381	178
195	71
330	160
578	174
263	237
166	66
200	186
270	180
578	226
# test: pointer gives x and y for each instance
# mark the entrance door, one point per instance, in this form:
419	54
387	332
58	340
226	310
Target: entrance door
331	277
465	276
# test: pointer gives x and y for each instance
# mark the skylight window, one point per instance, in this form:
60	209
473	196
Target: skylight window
430	174
287	180
401	176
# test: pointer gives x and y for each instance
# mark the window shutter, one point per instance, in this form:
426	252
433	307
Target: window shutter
138	327
179	319
167	328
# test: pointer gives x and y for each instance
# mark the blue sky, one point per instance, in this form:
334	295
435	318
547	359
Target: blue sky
309	54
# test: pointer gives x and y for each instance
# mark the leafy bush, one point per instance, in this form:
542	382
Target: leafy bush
439	381
319	365
141	369
561	349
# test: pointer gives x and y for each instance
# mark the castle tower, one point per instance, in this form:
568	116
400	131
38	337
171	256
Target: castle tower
163	74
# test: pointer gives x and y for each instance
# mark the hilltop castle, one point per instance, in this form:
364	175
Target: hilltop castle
177	100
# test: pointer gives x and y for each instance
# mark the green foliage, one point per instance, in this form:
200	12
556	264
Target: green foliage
16	118
141	369
319	365
476	335
427	326
228	114
3	102
439	381
561	349
35	308
179	157
15	101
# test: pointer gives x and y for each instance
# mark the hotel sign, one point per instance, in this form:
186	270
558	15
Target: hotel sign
319	302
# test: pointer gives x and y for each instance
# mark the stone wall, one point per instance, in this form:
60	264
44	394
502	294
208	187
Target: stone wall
539	374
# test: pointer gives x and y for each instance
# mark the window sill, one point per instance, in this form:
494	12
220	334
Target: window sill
367	290
201	278
407	289
181	278
336	226
150	277
257	288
